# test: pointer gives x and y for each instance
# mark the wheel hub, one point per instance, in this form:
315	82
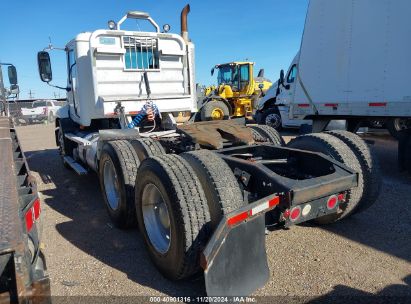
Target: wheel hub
156	218
111	185
217	114
273	120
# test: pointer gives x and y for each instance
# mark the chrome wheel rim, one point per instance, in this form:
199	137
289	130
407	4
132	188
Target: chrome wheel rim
111	185
273	120
156	218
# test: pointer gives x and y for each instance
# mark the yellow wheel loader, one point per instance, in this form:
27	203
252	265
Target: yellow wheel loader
236	92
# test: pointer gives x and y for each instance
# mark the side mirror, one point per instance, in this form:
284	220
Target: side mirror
212	71
261	73
44	64
12	74
14	89
281	77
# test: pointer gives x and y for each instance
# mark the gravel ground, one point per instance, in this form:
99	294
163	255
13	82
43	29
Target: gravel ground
368	254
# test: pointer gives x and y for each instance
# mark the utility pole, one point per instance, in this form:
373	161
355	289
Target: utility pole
3	100
31	94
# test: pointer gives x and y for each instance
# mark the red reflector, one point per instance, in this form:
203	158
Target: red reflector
36	209
286	213
134	112
274	202
332	202
341	197
29	219
377	104
295	213
237	218
332	105
303	105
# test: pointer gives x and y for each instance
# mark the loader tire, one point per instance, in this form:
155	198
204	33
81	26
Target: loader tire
147	147
215	110
370	168
220	186
267	134
338	150
176	237
117	174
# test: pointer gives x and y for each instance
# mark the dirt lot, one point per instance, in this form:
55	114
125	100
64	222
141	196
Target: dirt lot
368	254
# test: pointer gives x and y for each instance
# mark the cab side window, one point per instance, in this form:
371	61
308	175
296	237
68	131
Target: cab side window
292	74
71	65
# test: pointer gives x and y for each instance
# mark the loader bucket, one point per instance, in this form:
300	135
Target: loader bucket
235	260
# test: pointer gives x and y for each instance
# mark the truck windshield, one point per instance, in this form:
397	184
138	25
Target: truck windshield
228	75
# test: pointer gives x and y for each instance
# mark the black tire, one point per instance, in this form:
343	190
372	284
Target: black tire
393	129
121	155
147	147
270	117
404	154
263	133
210	106
370	168
219	183
338	150
181	190
65	146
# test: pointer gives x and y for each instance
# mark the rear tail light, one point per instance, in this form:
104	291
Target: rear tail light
32	215
295	213
332	202
263	207
29	219
45	110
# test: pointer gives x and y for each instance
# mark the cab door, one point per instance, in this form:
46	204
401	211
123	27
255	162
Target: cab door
72	83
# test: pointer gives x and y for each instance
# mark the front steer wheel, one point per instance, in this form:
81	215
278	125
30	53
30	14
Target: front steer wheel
172	215
117	173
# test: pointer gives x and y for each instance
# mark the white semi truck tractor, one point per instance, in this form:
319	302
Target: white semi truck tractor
201	193
353	64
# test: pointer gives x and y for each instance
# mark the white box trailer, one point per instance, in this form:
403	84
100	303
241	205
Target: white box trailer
354	63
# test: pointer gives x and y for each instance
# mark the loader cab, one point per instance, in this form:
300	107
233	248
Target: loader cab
238	76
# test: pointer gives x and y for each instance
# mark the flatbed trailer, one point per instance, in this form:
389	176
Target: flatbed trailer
23	276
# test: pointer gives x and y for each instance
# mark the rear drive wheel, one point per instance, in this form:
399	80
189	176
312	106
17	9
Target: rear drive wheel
219	183
147	147
215	110
338	150
262	133
370	167
172	214
117	172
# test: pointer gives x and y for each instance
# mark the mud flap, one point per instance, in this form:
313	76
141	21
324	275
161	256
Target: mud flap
235	260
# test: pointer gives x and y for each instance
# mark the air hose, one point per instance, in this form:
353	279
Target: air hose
149	110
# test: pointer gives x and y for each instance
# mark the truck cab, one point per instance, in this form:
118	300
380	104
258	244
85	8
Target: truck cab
105	69
273	109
